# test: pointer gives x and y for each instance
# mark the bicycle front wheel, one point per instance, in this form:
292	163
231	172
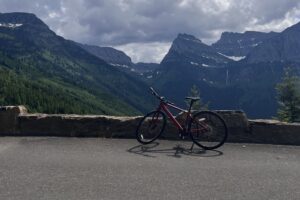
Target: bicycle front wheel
151	127
208	130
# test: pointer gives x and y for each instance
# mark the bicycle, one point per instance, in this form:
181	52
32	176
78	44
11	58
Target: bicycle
206	129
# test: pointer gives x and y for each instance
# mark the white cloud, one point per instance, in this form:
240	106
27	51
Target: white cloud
145	52
140	23
290	18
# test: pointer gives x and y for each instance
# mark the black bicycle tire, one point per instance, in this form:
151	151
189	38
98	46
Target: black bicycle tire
225	128
141	122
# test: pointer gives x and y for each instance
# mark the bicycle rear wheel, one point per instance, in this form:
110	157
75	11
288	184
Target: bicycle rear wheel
208	130
151	127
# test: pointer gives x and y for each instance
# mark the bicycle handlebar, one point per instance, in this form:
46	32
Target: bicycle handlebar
159	97
155	94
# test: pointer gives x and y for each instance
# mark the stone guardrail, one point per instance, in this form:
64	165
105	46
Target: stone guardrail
16	121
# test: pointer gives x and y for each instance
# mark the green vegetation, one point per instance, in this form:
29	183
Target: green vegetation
49	97
49	74
289	97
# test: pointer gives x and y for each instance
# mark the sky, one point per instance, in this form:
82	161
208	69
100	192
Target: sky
145	29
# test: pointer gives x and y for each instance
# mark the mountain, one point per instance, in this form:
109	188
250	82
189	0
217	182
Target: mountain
190	62
188	50
35	55
141	67
240	44
283	47
239	71
226	81
51	74
110	55
120	60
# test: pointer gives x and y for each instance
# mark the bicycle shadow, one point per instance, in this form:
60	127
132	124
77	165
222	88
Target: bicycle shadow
178	151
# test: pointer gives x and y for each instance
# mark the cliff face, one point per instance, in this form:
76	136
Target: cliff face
108	54
240	44
284	47
190	51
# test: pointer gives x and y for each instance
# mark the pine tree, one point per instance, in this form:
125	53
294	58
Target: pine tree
288	97
198	105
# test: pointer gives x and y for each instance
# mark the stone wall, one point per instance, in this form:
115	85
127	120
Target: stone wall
16	121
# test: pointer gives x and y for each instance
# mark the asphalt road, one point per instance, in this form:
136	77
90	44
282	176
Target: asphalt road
94	168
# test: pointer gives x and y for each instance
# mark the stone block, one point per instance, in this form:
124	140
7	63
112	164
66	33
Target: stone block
274	132
77	125
15	121
236	121
9	119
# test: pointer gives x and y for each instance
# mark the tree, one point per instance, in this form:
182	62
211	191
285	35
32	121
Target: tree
198	105
288	97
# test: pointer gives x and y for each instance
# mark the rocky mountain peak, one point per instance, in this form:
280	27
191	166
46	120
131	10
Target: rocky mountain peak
240	44
109	54
189	50
187	43
294	28
187	37
283	47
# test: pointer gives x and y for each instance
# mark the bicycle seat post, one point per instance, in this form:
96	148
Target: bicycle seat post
192	99
191	105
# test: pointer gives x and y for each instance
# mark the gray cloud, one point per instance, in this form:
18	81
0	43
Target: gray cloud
128	23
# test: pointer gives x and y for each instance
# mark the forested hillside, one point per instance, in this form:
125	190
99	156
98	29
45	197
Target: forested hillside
60	75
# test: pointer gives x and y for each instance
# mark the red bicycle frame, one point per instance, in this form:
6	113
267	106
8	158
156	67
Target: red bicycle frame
164	106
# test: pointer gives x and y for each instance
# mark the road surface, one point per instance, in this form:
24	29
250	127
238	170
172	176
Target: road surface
95	168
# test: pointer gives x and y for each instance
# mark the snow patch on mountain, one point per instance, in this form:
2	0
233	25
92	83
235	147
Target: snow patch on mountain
197	64
118	65
193	63
235	58
254	45
10	25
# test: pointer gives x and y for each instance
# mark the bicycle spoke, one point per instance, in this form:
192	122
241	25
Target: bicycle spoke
208	130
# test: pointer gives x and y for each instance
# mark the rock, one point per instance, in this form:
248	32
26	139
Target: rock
15	121
236	121
187	50
108	54
78	125
284	47
9	118
274	132
240	44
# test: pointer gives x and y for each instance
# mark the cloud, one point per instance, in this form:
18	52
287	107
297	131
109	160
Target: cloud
145	23
145	52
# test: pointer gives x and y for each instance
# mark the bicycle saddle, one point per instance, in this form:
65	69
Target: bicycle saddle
193	98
